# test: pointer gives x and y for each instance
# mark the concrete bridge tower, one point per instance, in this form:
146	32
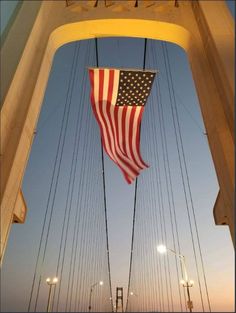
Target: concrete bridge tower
204	29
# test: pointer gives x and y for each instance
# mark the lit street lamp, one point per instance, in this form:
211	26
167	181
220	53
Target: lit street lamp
50	282
133	294
184	282
91	291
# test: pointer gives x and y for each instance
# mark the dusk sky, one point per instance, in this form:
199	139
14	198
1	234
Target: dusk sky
216	243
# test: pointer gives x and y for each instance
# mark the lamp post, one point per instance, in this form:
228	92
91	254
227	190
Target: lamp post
184	282
50	282
91	291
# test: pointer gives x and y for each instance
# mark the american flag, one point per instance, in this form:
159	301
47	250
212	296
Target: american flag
118	97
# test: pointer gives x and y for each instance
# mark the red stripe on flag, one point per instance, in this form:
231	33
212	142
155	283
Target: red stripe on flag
138	137
131	132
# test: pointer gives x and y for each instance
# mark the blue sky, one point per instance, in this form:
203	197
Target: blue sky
23	241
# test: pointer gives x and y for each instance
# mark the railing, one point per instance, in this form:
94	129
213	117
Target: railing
136	3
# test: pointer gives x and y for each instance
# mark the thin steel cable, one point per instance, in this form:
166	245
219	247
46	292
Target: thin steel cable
51	184
80	267
76	219
150	122
163	229
135	199
70	189
88	251
182	174
188	181
77	276
80	289
190	114
167	175
81	200
156	219
152	190
104	188
57	175
163	211
171	189
47	118
76	226
65	245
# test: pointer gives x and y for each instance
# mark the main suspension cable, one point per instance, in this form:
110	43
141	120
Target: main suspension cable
135	199
104	188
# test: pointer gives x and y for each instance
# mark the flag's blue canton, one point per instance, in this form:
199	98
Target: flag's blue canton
134	87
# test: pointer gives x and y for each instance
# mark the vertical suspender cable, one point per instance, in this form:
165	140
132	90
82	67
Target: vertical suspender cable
77	207
70	207
70	190
135	199
59	168
187	176
168	177
104	189
181	169
64	118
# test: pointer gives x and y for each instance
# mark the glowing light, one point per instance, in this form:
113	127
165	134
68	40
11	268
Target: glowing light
101	283
161	249
55	280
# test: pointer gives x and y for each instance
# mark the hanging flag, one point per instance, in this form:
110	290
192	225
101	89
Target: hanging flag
118	97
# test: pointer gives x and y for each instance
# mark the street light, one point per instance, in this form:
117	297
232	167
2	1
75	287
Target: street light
184	282
50	282
133	294
91	291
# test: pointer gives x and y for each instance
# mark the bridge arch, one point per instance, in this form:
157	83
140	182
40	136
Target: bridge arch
185	28
141	28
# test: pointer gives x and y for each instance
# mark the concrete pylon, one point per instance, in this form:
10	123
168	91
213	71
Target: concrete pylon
204	29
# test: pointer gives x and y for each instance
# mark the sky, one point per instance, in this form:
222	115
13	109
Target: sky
216	242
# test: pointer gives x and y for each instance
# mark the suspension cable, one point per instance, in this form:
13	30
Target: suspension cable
181	169
70	190
187	177
104	188
58	173
77	214
135	199
168	177
64	117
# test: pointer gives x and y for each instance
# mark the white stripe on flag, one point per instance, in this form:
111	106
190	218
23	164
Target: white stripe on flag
134	138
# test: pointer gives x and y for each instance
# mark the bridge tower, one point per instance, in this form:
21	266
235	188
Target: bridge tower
119	299
204	29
